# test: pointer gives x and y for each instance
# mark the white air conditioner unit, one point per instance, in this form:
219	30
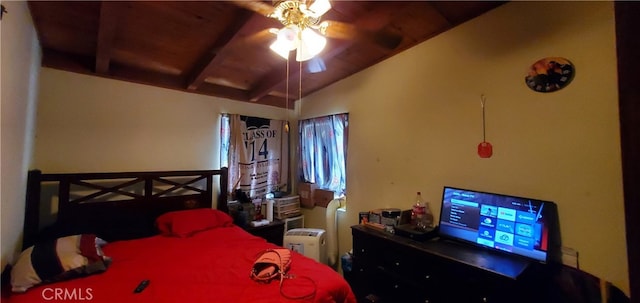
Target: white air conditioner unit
310	242
293	222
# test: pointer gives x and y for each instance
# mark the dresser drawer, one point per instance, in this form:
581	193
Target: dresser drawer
399	260
398	289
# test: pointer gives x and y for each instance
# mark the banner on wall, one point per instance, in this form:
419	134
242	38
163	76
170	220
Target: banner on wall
259	155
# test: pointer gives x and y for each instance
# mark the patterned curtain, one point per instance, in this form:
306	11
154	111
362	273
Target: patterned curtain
323	149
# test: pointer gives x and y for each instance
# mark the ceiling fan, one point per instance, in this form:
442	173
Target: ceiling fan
304	32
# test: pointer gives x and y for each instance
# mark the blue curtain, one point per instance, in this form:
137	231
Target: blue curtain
322	149
225	139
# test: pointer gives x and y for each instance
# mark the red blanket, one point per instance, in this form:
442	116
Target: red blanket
210	266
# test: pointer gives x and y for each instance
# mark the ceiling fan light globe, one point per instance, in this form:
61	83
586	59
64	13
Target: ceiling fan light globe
311	44
288	36
281	48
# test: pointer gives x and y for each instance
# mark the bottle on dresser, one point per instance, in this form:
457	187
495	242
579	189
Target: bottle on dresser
421	215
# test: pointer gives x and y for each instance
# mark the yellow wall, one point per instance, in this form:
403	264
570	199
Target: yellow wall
92	124
415	122
20	65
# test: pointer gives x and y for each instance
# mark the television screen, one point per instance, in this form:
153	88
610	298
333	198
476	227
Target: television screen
513	225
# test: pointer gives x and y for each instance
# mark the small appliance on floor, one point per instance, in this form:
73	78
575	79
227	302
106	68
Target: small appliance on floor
310	242
293	222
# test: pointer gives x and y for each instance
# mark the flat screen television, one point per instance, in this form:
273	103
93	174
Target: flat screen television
518	226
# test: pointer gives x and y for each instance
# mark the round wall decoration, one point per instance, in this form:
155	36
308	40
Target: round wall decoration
549	74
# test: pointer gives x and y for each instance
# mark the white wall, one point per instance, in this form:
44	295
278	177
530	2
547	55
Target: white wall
93	124
19	71
416	120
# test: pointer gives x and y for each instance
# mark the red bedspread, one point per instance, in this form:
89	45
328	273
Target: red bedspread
210	266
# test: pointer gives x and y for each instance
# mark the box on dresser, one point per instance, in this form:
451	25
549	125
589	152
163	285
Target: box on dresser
322	197
305	191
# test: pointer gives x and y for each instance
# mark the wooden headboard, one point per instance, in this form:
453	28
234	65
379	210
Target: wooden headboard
115	206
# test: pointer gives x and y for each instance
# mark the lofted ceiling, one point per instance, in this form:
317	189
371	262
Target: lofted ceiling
221	48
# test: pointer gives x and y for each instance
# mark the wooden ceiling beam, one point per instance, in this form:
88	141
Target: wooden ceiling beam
110	13
176	83
439	11
270	81
143	76
238	95
83	65
65	61
209	62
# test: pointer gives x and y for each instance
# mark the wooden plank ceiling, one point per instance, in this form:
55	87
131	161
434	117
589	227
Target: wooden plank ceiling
221	48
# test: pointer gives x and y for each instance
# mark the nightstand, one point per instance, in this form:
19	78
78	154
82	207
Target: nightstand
272	232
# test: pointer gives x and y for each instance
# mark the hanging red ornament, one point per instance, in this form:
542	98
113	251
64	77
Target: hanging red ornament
485	150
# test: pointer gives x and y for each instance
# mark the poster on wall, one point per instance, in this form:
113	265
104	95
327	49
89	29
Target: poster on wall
258	155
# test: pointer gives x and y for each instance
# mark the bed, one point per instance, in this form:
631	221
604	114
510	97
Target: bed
160	227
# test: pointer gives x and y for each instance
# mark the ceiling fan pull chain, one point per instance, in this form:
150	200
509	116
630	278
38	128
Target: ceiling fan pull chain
287	88
286	98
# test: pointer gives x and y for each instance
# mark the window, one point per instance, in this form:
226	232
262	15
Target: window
323	152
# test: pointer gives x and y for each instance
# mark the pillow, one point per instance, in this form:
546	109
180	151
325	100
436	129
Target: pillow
184	223
59	259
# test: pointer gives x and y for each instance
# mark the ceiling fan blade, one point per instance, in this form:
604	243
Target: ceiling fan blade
319	7
338	30
256	39
342	30
256	6
316	65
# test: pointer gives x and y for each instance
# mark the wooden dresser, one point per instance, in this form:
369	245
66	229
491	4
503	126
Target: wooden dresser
390	268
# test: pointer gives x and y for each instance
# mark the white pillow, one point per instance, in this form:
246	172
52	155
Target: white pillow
58	259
